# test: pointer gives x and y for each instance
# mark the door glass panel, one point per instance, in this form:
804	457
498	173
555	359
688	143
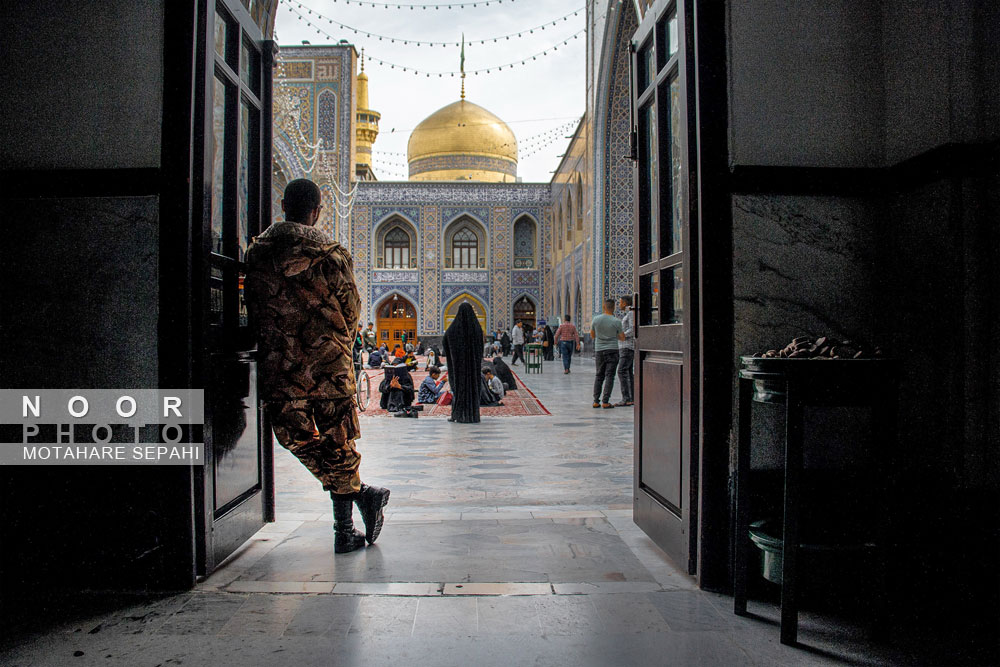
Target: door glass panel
249	68
218	163
244	186
647	67
650	228
676	170
671	36
673	301
221	34
649	299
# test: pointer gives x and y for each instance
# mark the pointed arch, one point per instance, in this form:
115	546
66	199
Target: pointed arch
525	242
525	309
326	117
451	309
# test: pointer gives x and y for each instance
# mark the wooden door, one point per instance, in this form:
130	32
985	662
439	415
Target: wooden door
233	204
666	487
396	317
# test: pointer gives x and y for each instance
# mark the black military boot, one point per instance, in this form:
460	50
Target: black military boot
345	537
371	501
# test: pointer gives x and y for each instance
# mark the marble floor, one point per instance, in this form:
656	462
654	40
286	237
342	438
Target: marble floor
509	542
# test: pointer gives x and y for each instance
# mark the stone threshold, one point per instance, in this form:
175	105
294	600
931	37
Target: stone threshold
512	513
444	589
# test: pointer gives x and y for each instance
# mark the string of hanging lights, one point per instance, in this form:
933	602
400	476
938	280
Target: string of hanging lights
540	147
288	119
450	73
444	5
527	147
416	42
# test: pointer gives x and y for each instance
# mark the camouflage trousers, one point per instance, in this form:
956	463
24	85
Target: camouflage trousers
321	434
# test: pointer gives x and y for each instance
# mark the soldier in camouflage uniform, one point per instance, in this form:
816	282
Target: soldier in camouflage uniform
301	293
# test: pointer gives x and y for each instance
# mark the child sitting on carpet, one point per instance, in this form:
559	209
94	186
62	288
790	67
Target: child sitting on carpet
432	388
496	386
488	397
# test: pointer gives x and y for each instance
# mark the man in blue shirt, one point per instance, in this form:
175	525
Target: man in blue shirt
606	330
432	388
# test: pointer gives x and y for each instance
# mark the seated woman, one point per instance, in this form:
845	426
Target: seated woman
375	359
396	389
433	386
503	372
432	359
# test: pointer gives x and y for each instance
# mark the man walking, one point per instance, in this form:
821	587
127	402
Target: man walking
302	296
568	340
626	352
517	338
606	330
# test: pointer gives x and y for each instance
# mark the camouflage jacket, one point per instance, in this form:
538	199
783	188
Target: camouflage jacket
301	294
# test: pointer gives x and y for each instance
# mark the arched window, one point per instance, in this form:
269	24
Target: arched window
524	243
465	246
397	249
570	214
465	249
579	204
559	227
396	243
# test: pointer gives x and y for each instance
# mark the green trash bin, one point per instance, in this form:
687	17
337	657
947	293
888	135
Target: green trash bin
825	545
766	534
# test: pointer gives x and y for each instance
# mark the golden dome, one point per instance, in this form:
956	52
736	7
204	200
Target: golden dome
462	142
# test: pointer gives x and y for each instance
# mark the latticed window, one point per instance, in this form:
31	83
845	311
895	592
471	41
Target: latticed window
397	249
465	249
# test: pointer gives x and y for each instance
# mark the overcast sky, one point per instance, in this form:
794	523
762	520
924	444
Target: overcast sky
535	98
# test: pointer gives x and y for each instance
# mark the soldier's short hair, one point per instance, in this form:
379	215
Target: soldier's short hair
301	198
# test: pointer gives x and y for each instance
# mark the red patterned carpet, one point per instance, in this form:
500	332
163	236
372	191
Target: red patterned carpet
519	402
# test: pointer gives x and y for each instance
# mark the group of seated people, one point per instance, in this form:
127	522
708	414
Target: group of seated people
398	393
383	357
397	389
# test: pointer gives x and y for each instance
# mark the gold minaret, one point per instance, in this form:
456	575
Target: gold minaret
367	128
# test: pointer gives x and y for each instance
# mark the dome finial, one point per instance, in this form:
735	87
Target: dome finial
462	65
362	60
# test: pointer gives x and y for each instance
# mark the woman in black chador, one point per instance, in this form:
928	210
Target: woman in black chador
502	371
463	349
505	343
550	344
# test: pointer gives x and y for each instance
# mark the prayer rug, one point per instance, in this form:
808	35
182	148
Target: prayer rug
520	402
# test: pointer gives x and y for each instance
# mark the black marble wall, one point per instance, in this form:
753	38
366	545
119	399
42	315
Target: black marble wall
803	266
80	309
